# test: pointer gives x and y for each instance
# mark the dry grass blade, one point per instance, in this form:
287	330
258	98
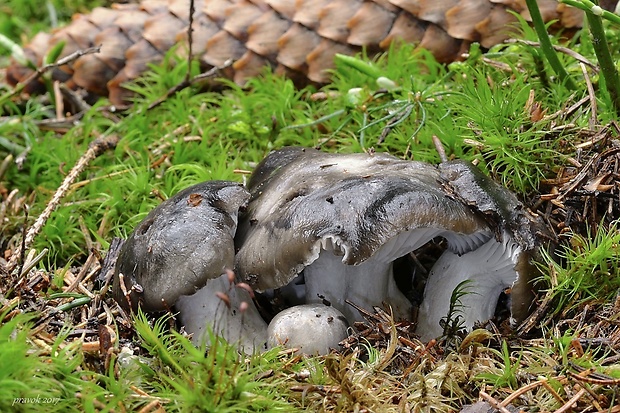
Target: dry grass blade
19	87
561	49
97	147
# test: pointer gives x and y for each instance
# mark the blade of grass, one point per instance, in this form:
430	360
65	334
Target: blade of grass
590	7
595	15
546	46
16	51
601	49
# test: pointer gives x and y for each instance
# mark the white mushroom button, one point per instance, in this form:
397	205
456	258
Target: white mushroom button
313	329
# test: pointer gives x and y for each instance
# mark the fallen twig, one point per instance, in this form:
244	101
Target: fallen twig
186	83
43	69
568	406
494	402
96	148
580	58
591	95
517	393
190	36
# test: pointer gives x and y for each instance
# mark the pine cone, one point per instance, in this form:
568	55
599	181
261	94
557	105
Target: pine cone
296	37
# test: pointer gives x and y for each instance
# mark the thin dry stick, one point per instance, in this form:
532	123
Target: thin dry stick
58	101
554	393
521	391
78	279
190	36
569	404
585	378
493	402
71	279
185	83
154	405
43	69
440	149
22	253
536	317
591	94
561	49
96	148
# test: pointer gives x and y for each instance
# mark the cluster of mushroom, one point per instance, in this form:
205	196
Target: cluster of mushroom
328	228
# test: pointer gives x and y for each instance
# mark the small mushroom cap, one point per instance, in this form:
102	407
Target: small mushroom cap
303	200
181	244
512	221
311	328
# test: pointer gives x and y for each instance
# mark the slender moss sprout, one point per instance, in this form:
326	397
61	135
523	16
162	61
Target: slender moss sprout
595	15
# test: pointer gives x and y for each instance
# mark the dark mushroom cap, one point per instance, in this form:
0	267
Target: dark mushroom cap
303	199
509	217
366	211
499	206
180	245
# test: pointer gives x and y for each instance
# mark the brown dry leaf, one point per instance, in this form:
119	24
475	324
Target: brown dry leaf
194	200
596	184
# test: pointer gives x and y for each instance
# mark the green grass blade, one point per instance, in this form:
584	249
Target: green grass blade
546	46
601	49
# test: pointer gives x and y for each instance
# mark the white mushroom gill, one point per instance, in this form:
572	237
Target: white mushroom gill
371	283
489	269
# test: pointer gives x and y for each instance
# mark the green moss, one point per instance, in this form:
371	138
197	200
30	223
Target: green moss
480	109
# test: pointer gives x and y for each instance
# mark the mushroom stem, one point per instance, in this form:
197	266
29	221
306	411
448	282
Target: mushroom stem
368	284
204	311
371	283
490	269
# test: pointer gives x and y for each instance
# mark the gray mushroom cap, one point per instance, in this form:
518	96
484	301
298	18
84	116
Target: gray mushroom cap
343	219
303	198
181	244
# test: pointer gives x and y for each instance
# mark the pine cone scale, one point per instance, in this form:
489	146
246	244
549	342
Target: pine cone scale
295	37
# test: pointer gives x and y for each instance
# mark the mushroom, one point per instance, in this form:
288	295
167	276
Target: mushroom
338	223
505	261
180	255
312	329
343	219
